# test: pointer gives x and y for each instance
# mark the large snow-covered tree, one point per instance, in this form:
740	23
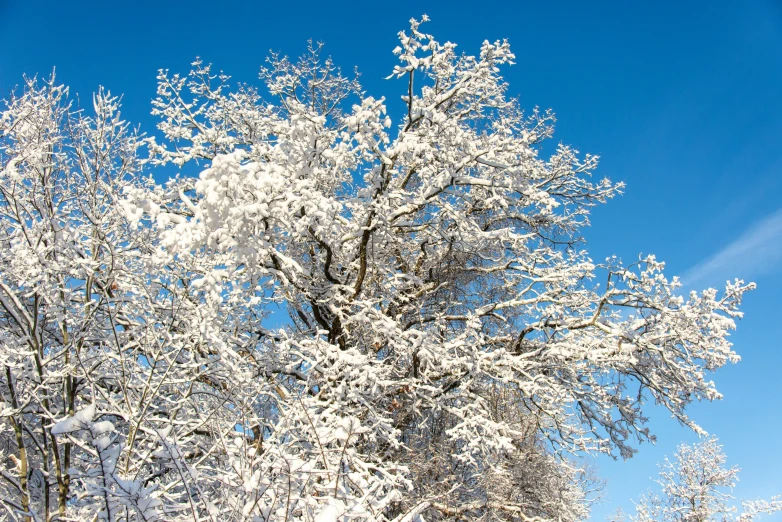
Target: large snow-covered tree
697	487
342	317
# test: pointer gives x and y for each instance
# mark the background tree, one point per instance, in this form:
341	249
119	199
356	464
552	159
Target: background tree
697	487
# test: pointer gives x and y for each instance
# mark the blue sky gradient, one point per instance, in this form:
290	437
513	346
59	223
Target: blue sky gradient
680	99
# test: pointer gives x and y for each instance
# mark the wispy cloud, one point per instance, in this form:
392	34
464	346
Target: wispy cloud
756	252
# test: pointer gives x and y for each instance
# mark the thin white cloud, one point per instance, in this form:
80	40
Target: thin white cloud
756	252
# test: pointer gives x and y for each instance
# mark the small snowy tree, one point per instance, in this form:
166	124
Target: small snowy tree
697	487
450	346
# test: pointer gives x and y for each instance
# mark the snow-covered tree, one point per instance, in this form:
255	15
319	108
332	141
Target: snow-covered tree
449	350
697	487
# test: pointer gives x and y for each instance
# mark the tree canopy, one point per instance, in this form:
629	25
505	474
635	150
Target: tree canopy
342	317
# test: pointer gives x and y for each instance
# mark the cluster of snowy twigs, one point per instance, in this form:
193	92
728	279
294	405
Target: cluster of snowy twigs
342	317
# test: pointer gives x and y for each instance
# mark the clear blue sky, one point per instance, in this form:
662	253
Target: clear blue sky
681	100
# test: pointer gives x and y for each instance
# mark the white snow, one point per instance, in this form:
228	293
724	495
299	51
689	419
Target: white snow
81	420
